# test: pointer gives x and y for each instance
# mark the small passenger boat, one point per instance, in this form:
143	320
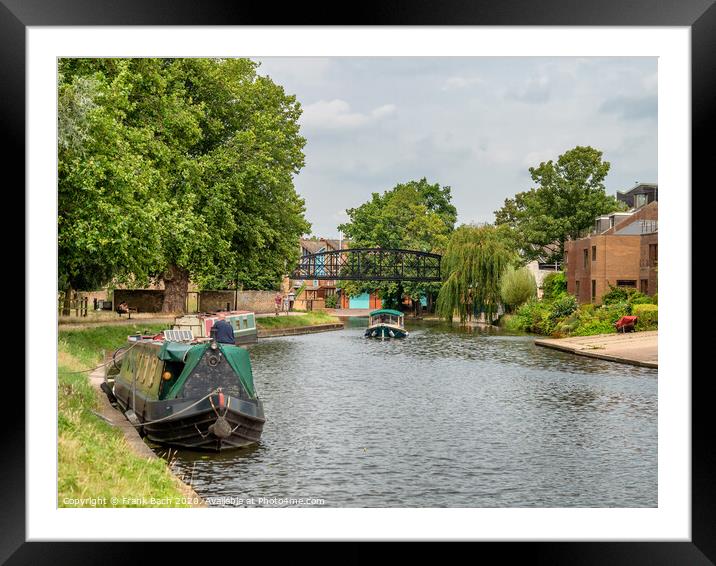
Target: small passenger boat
243	323
187	392
386	323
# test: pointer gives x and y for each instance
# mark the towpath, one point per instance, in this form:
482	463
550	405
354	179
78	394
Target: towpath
636	348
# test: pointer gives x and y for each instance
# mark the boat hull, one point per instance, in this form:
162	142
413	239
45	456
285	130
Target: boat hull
385	331
179	424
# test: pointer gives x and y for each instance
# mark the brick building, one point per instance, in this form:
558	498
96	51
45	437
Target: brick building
621	250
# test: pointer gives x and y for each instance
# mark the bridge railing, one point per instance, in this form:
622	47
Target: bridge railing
369	264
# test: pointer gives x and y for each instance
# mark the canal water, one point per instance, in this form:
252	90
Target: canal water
448	417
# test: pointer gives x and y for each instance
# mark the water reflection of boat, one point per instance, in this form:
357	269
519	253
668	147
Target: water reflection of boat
386	323
195	394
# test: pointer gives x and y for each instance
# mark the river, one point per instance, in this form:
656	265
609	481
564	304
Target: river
447	417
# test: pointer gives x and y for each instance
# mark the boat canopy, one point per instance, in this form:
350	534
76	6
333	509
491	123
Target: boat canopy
190	354
386	311
174	351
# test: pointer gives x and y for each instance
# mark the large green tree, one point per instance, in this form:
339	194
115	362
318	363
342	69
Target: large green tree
570	193
473	266
416	215
201	154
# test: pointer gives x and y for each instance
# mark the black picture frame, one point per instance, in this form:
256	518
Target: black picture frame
699	15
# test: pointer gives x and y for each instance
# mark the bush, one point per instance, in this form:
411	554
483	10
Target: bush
612	312
530	316
517	287
593	326
625	295
511	323
331	301
563	305
648	316
554	285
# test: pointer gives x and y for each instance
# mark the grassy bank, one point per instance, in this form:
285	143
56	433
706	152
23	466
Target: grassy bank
94	460
560	315
283	321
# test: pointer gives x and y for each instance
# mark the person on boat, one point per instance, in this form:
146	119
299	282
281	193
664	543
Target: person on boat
224	331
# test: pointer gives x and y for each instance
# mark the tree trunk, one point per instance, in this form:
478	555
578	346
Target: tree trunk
176	289
67	301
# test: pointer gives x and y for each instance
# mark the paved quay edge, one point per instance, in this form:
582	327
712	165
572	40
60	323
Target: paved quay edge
581	346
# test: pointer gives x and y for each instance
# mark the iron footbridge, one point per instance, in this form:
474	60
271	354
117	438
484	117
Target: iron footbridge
369	264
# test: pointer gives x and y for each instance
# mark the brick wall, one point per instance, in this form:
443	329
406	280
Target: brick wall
256	301
210	301
615	258
144	300
648	265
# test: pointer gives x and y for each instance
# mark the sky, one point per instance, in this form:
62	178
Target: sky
475	124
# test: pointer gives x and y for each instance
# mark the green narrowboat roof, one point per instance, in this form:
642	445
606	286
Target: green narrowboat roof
190	354
174	351
386	311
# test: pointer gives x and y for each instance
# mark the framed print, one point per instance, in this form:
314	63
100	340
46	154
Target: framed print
247	290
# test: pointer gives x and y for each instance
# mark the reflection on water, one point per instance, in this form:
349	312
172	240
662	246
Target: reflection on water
448	417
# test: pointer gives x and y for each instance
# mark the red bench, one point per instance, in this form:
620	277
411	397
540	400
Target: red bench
626	324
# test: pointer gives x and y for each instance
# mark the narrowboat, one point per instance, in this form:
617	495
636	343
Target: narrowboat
185	392
386	323
243	323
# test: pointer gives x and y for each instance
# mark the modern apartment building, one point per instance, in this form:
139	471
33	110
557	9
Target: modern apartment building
621	250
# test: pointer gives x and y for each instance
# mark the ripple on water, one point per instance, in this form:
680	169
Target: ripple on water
444	418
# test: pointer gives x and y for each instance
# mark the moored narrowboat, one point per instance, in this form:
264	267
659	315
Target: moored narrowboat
196	394
243	323
386	323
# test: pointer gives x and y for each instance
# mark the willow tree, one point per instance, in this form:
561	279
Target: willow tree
472	268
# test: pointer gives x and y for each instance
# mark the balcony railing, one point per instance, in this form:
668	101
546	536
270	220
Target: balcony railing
649	226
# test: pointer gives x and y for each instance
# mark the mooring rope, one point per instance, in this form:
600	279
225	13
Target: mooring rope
103	363
194	404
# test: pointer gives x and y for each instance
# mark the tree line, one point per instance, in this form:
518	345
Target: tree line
481	264
174	170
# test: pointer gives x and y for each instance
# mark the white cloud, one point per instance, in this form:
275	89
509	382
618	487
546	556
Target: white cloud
458	82
534	158
535	91
337	114
479	136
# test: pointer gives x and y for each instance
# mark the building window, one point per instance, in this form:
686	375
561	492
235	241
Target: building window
577	289
586	258
594	289
594	253
626	283
645	286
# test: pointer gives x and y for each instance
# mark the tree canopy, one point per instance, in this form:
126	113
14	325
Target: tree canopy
472	268
176	169
416	215
570	194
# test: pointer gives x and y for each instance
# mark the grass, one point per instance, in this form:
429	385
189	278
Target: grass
283	321
94	460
